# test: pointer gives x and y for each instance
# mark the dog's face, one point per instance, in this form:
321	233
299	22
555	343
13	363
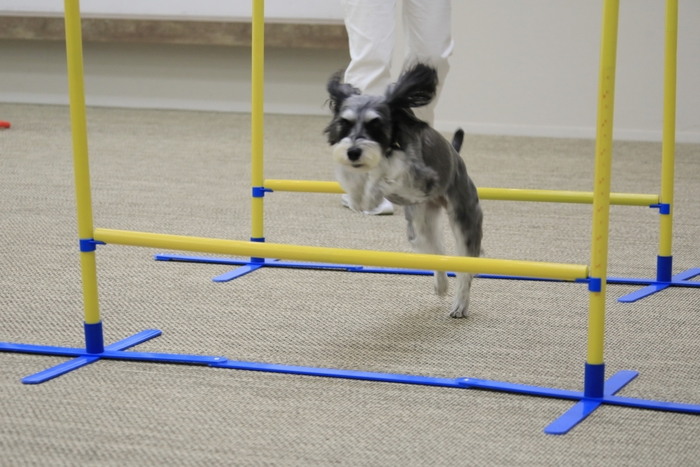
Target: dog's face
362	129
360	132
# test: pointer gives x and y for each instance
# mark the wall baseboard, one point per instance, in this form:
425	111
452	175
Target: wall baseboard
163	104
621	134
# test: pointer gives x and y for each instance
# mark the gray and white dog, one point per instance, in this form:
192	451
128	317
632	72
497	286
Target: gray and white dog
382	149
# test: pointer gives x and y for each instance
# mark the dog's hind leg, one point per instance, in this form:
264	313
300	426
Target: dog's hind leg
425	235
466	223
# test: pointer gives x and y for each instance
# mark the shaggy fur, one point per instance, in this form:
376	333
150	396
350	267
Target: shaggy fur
381	149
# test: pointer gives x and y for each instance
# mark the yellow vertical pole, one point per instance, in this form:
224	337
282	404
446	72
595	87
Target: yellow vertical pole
74	53
595	372
257	117
664	269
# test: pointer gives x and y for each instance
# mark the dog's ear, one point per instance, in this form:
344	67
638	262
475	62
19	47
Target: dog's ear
415	87
339	91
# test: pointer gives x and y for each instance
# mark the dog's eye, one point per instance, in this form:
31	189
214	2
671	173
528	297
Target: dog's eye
374	122
345	122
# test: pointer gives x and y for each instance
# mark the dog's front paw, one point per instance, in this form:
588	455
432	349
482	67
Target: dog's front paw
459	310
441	284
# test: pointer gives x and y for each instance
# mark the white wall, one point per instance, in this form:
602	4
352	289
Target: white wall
531	67
168	76
520	67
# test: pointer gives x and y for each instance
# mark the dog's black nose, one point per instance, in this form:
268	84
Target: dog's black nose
354	153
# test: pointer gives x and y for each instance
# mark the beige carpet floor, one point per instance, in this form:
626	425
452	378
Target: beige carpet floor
188	173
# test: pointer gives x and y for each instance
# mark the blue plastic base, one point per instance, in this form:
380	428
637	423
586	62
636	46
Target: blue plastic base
250	266
115	351
584	406
82	356
652	285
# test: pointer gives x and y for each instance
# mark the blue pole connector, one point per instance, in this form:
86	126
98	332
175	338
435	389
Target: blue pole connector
89	244
259	191
594	381
94	338
664	268
664	208
261	240
595	284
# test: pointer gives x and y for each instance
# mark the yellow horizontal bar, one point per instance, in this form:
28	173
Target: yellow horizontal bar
503	194
304	186
505	267
557	196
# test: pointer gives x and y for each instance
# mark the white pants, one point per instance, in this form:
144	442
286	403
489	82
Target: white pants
371	27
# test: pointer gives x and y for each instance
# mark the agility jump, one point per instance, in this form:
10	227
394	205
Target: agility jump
597	390
664	267
664	203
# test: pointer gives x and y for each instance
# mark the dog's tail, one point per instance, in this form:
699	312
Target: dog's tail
457	139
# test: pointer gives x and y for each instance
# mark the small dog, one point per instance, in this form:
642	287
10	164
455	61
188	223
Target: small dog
382	149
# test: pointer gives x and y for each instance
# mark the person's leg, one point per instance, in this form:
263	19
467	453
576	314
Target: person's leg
428	30
370	25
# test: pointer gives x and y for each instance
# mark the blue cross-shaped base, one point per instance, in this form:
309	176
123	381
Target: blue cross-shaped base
584	405
652	286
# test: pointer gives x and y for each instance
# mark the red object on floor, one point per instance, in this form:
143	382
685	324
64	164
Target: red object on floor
4	124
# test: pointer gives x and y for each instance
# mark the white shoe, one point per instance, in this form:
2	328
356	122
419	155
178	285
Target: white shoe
385	208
